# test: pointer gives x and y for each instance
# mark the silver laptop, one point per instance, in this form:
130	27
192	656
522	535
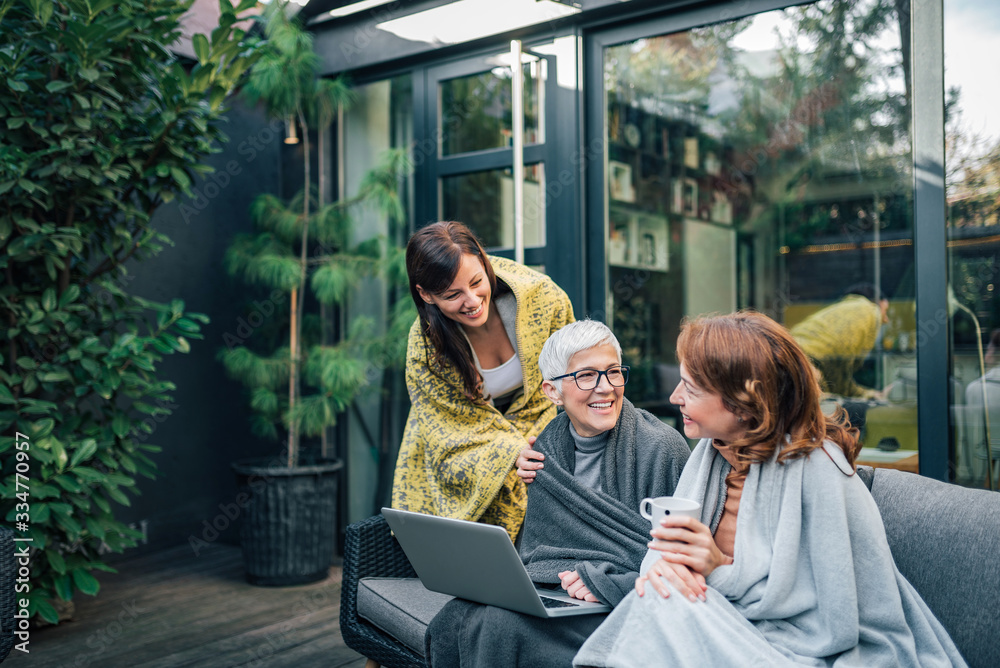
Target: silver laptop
477	562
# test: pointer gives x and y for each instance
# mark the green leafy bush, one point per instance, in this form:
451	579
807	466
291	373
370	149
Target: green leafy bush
101	125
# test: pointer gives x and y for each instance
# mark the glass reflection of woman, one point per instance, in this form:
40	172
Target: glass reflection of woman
472	376
982	396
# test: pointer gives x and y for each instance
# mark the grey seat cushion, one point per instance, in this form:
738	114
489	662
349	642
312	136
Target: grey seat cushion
402	607
944	538
946	542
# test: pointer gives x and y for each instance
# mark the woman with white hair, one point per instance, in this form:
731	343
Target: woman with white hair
582	530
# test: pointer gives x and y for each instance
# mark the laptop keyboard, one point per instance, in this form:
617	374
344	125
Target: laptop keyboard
556	603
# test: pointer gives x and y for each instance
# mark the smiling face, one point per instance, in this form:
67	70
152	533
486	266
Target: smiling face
595	411
705	416
467	299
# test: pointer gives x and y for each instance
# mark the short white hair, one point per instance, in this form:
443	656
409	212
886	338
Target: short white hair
570	340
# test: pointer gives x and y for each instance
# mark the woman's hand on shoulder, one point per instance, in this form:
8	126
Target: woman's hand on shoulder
688	542
529	461
575	587
689	584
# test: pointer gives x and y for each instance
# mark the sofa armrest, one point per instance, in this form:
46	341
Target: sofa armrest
370	550
867	475
945	540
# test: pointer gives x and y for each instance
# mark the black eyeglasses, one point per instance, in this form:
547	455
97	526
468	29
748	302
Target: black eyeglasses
588	379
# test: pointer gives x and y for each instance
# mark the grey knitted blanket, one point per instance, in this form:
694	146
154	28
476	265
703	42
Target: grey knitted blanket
813	582
569	526
600	534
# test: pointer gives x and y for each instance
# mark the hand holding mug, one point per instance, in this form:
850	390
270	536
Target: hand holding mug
687	542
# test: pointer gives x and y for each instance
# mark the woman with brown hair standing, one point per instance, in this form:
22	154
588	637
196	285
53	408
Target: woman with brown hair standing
472	376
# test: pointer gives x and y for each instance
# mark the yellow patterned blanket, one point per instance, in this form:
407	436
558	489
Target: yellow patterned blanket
456	458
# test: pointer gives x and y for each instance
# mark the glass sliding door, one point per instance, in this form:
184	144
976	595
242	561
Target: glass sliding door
473	119
476	110
487	198
465	155
380	120
766	163
972	169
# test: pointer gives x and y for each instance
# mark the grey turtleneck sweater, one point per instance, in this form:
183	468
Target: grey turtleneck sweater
589	455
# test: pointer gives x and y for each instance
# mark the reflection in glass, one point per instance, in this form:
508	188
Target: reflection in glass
972	162
771	156
381	119
485	202
476	110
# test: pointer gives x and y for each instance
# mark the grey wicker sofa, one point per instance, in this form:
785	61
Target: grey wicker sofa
945	539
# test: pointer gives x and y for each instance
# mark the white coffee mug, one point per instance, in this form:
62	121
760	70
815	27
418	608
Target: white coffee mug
654	509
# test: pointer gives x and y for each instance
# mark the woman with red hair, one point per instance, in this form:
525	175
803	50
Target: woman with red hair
788	564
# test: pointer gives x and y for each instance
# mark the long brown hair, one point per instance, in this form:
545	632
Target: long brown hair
760	372
433	256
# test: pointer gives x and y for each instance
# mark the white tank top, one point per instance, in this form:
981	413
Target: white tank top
508	377
502	379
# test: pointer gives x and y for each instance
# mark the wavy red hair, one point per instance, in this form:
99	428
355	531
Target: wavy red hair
760	372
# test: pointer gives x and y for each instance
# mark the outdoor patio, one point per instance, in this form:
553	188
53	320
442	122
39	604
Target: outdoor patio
173	608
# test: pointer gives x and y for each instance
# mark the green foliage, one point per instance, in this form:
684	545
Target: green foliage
389	351
334	373
101	125
829	108
832	111
306	247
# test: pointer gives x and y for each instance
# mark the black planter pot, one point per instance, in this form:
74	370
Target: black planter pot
288	528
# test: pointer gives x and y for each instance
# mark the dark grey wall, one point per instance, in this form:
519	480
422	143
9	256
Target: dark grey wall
209	426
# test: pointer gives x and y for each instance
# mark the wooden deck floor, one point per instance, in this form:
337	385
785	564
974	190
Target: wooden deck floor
173	609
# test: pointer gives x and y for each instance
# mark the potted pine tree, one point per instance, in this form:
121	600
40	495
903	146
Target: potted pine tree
301	249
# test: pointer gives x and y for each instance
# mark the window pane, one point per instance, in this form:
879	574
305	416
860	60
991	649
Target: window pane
766	163
381	119
973	192
485	202
476	111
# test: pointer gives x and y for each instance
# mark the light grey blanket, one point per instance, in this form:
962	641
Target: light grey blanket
812	583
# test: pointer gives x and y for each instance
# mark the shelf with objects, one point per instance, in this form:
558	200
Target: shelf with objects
638	240
671	239
667	167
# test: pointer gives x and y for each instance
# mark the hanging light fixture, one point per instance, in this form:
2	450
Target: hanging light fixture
291	137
